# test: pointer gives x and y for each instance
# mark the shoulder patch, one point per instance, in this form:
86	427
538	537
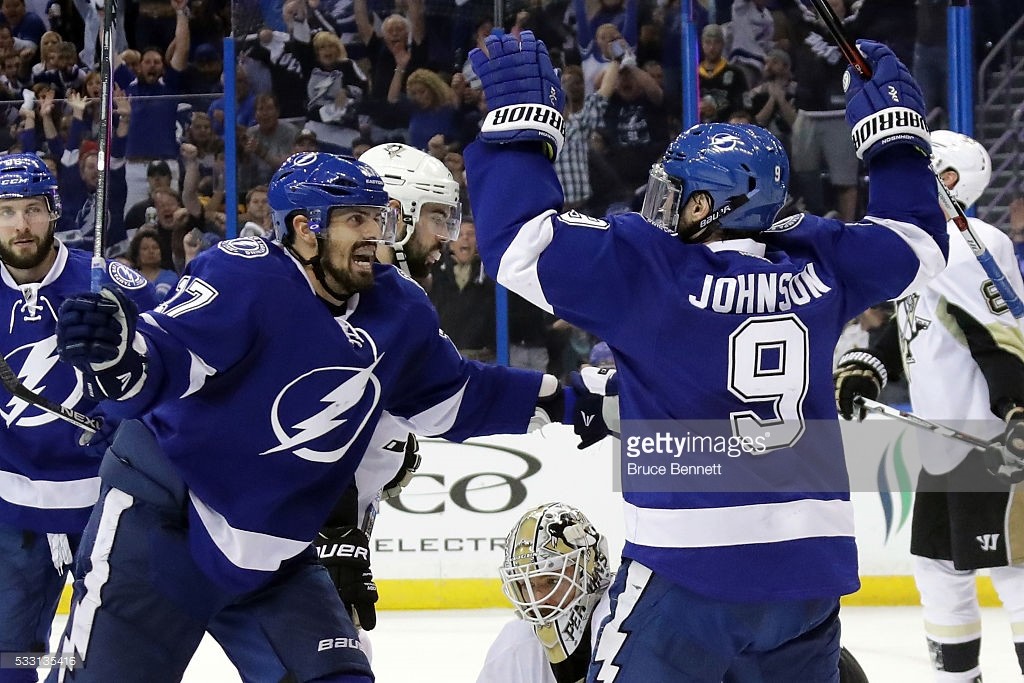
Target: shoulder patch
787	223
246	247
574	217
125	277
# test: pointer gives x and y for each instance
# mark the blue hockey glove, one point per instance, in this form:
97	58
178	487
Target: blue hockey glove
96	334
524	93
97	443
345	552
888	108
595	414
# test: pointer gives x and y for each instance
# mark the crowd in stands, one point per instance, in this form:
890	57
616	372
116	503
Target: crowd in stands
344	75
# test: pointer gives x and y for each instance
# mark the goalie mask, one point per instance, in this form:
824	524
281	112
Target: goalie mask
744	169
555	572
415	178
967	158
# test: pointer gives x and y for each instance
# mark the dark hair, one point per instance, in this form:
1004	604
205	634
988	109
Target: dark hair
136	244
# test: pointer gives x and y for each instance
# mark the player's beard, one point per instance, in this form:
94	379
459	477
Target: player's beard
23	261
416	258
345	279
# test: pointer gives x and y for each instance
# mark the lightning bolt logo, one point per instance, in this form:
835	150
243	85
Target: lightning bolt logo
40	359
612	636
340	402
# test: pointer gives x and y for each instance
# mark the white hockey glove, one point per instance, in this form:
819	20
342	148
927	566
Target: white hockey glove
858	373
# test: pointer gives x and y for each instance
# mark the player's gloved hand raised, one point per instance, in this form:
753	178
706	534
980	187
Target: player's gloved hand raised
595	414
345	553
96	334
886	109
523	91
1004	457
858	373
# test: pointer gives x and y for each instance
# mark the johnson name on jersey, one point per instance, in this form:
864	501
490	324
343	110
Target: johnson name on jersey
48	483
739	333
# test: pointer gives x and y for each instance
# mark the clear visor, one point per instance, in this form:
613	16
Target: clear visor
387	220
543	591
442	220
663	200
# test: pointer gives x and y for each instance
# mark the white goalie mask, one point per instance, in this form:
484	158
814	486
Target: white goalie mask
415	178
968	158
555	572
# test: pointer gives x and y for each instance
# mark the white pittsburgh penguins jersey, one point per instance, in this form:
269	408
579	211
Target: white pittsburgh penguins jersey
946	384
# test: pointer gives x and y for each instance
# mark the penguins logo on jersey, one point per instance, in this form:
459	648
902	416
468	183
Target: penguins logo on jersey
36	360
319	415
909	324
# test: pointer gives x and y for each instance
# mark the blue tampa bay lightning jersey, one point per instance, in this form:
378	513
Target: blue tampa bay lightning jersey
48	483
265	401
740	332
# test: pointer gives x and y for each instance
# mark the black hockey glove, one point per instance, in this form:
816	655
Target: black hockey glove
96	334
595	412
1004	457
345	552
549	408
409	466
858	373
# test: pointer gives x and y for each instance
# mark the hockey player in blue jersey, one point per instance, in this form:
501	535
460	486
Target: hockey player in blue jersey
253	393
715	314
48	479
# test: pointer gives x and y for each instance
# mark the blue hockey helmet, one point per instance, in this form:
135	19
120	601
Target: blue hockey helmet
313	183
25	175
743	167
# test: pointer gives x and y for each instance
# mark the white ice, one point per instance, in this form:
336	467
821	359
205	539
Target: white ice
449	646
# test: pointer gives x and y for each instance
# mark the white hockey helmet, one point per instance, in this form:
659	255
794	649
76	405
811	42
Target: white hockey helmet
555	572
957	152
415	178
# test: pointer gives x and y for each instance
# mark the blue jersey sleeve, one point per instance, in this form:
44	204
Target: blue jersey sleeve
439	393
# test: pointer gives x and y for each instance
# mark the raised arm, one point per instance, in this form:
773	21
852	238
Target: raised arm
364	26
182	36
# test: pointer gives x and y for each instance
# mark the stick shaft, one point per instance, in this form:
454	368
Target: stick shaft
949	205
10	382
942	430
103	157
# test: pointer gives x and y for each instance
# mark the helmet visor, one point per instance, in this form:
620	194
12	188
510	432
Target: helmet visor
386	217
663	199
442	220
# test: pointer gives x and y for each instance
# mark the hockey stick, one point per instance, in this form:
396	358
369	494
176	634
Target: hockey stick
866	405
949	205
99	264
19	390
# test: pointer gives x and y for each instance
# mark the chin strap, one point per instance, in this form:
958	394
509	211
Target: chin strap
401	259
318	270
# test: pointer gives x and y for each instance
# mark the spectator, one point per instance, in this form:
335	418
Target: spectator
245	105
772	100
67	75
158	176
750	34
306	141
471	107
820	131
719	80
635	125
204	77
92	15
152	133
27	26
268	143
432	108
583	114
173	222
1017	230
256	220
145	256
156	25
336	90
48	45
595	41
399	49
464	297
289	59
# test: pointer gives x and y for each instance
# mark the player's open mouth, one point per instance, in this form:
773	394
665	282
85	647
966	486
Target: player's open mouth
433	257
364	256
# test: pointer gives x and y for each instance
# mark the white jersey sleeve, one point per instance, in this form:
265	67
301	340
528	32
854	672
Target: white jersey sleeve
516	656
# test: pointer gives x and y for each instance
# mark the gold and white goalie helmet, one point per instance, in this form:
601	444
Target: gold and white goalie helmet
555	572
415	178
